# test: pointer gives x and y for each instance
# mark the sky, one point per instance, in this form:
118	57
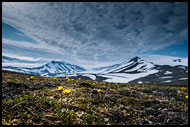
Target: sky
92	34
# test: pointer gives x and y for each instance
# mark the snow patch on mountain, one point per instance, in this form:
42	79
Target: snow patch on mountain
183	79
124	77
93	77
165	60
167	77
167	81
140	82
167	72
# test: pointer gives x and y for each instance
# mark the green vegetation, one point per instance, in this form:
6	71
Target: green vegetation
64	101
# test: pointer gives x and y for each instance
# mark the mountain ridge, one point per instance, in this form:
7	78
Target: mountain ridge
133	70
53	68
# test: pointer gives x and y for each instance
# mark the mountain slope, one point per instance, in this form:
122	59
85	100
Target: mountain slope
135	65
166	75
165	60
51	69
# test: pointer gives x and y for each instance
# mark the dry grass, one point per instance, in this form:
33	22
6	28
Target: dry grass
116	104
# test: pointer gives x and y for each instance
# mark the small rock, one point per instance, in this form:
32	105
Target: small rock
161	118
143	122
159	109
150	123
149	111
165	110
171	113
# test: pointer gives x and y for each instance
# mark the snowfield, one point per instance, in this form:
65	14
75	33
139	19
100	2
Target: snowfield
124	77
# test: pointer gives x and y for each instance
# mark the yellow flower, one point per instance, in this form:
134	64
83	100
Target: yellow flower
72	79
99	90
3	121
79	79
32	77
67	91
54	78
59	88
183	88
15	120
93	83
186	97
28	78
67	78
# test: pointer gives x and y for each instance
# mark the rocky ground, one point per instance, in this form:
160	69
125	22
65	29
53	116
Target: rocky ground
38	102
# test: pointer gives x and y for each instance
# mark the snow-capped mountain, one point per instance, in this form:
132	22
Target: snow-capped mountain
61	67
135	65
52	68
138	70
129	70
135	70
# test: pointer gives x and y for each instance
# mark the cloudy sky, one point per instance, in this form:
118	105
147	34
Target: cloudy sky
93	34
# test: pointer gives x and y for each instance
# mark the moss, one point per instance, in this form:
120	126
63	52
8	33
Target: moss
116	104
